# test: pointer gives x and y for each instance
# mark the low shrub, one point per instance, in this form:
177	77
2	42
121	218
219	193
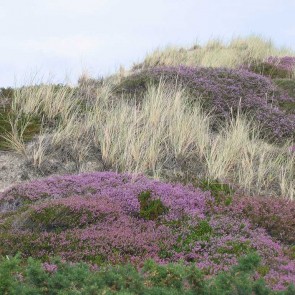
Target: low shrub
288	86
150	209
224	91
221	192
275	67
109	218
19	276
276	215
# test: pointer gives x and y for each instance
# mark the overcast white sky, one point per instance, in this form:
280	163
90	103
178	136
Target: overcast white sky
65	37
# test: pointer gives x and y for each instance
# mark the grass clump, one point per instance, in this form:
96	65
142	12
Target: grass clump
16	129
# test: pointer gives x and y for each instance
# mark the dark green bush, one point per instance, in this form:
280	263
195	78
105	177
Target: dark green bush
150	209
222	192
28	277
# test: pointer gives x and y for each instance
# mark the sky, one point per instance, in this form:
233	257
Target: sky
57	40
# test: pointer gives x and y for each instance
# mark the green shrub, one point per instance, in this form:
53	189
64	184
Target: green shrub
150	209
201	232
134	84
24	277
222	192
53	218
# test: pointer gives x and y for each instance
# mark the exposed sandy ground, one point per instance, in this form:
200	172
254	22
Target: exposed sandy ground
15	168
11	169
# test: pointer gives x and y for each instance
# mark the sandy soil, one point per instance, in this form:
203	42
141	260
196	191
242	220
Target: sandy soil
11	169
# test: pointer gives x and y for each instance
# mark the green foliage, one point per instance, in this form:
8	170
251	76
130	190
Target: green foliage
24	277
134	87
220	191
291	252
263	270
201	232
6	92
287	85
53	218
234	247
150	209
7	115
269	70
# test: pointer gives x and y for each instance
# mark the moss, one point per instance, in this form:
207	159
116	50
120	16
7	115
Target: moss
150	209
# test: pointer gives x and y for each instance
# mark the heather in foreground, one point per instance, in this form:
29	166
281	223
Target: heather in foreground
108	218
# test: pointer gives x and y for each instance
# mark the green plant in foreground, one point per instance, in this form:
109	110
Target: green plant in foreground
30	276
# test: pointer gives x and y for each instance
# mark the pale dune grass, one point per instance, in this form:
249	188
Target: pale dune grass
162	132
216	53
15	137
45	99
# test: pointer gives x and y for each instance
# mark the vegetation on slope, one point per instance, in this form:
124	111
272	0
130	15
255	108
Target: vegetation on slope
239	51
26	277
109	218
220	118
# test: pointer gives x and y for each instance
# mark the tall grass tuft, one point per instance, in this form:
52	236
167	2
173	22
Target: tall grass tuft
162	135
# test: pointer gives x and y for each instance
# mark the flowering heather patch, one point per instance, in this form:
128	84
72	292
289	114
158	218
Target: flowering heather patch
275	67
276	216
224	89
292	149
104	218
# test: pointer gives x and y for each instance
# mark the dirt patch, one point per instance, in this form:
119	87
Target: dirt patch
11	169
15	169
